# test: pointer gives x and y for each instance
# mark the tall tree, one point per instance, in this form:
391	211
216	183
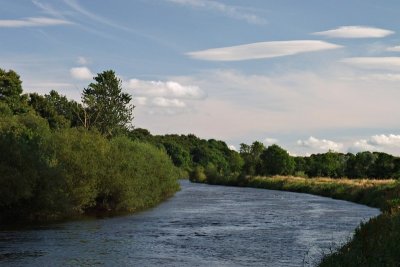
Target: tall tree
277	161
107	108
251	156
11	90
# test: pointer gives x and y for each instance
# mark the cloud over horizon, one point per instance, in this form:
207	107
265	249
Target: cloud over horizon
163	97
81	73
262	50
320	144
169	89
389	143
353	32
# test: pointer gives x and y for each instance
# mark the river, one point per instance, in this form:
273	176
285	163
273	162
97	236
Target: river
202	225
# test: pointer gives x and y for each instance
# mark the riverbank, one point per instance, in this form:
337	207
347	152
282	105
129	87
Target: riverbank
375	243
373	193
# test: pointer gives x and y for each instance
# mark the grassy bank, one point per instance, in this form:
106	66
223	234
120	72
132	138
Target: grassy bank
376	242
374	193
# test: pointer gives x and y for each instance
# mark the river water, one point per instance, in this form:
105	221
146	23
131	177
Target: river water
202	225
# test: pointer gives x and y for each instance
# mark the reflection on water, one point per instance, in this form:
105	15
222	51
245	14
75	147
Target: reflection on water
202	225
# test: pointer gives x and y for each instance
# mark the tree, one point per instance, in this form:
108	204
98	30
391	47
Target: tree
56	109
11	90
277	161
361	165
251	156
329	164
107	108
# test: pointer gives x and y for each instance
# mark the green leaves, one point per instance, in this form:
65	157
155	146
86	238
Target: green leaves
277	161
11	90
107	108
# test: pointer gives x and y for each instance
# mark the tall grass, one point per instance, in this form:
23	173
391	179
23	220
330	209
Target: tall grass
376	242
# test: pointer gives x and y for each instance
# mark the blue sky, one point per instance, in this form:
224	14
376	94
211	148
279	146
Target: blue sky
307	75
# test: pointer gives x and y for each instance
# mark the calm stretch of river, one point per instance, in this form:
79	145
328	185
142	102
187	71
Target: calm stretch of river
202	225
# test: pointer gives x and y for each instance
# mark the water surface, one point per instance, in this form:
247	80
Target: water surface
202	225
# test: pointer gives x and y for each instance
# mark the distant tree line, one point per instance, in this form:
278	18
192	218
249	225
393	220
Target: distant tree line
60	158
274	160
213	162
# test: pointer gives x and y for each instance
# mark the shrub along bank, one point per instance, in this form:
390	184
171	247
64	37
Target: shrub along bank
60	159
47	175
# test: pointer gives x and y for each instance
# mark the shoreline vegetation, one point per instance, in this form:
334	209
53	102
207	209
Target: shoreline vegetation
375	243
61	159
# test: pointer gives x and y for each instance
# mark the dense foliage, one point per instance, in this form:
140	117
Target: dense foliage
197	158
52	167
273	160
107	108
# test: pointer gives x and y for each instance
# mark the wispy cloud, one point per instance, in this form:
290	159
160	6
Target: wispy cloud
384	63
82	61
394	48
81	73
74	5
33	22
355	32
81	10
262	50
320	144
48	9
235	12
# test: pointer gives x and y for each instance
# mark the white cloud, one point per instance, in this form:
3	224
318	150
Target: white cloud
385	143
232	147
385	140
355	32
140	100
385	63
168	103
169	89
32	22
228	10
394	48
270	141
81	73
262	50
164	98
320	144
82	61
361	145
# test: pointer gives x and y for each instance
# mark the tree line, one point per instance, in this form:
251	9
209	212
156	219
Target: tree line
212	161
274	160
60	158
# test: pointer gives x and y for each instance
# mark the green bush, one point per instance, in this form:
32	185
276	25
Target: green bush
47	175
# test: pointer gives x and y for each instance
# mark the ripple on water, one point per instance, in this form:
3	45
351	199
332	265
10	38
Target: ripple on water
201	226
